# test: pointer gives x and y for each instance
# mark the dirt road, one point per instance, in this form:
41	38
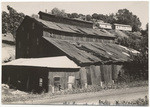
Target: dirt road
111	95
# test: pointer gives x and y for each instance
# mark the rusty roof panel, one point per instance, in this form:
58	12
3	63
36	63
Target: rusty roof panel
91	52
73	29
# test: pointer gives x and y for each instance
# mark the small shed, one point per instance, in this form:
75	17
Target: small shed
41	74
105	25
122	27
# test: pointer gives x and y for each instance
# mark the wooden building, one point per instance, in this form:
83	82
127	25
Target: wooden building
122	27
41	74
98	58
105	25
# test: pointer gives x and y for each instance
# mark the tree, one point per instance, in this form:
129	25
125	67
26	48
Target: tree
74	15
81	16
14	20
138	67
88	17
95	16
101	17
58	12
68	15
110	19
11	20
5	19
124	16
144	41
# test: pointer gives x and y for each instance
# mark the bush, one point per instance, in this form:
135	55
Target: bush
137	102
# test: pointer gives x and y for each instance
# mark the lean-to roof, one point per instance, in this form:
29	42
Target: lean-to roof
91	52
49	62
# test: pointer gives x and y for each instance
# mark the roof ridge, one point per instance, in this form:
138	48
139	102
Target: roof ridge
40	12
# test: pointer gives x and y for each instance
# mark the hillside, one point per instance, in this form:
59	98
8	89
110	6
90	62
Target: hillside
126	34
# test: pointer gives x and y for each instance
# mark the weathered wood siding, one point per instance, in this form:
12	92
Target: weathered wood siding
83	76
94	75
28	78
25	78
76	37
114	72
28	38
64	75
30	44
91	75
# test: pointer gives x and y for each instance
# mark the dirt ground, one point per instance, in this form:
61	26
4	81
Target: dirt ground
112	95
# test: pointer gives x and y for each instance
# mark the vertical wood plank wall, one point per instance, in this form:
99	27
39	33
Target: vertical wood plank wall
64	75
83	76
29	77
101	73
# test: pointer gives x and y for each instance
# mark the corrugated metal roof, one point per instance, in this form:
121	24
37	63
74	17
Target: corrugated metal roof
74	29
91	52
50	62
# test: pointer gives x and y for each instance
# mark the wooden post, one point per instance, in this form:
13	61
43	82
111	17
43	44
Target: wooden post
53	90
69	86
113	81
83	77
101	84
85	85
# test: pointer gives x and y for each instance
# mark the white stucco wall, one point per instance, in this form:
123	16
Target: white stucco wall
119	27
105	26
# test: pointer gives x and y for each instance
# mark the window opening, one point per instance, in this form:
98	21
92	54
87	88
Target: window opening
40	82
57	84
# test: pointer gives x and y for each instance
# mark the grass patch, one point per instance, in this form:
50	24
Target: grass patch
10	95
137	102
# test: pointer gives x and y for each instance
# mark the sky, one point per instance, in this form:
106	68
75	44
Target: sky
139	8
